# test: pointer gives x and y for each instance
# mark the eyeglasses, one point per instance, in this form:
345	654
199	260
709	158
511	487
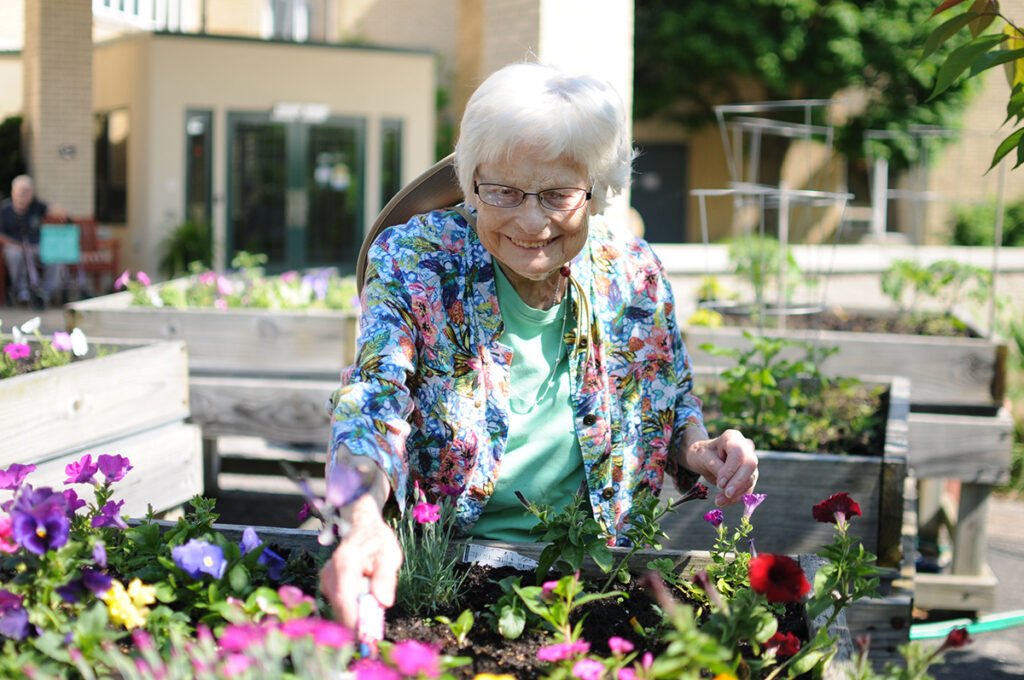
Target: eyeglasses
502	196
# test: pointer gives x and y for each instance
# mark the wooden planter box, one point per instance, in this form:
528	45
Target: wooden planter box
255	372
132	401
957	393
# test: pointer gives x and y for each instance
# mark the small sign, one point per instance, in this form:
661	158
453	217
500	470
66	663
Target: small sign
59	244
497	557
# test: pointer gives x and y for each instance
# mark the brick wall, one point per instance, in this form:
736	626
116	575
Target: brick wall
57	101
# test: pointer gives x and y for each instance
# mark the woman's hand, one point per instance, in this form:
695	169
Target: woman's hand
728	461
369	550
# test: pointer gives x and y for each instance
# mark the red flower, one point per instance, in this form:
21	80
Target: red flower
778	578
838	503
786	644
956	639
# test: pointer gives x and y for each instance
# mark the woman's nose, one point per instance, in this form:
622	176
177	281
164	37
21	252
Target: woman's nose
532	215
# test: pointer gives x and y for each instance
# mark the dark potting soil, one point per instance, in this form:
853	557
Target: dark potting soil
491	653
839	319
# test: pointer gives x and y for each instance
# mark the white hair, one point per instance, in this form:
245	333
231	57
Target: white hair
560	115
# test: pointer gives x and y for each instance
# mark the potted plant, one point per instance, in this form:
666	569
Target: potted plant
62	397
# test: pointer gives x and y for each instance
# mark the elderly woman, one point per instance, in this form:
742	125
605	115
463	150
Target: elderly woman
517	342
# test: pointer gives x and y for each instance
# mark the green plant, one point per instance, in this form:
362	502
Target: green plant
982	52
429	577
570	534
461	626
947	283
555	602
758	260
786	403
509	615
975	225
187	243
20	356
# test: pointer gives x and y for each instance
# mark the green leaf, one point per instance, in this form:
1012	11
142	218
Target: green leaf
943	33
573	554
1005	146
960	59
985	20
990	59
546	559
601	555
511	622
803	664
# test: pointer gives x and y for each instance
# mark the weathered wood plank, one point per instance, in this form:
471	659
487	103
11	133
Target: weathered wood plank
970	448
277	409
298	343
167	468
956	592
46	412
967	371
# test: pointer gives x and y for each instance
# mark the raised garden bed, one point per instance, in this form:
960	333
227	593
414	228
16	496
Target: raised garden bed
133	400
255	372
957	394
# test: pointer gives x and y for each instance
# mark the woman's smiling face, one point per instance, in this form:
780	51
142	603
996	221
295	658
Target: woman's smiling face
530	241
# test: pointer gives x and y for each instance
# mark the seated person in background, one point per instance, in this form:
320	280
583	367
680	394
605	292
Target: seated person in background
20	218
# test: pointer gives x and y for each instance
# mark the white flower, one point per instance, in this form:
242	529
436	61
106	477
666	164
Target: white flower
155	298
18	337
31	326
79	345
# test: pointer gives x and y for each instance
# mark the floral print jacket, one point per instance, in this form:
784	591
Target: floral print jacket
428	397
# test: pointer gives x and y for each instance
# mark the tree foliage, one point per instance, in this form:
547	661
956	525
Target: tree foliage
691	56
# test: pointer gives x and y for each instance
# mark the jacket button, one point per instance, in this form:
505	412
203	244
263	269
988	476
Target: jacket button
589	419
608	493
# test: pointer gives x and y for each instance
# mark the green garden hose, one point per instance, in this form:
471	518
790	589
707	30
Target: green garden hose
982	624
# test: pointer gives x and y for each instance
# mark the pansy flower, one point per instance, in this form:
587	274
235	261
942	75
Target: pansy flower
274	562
198	557
13	617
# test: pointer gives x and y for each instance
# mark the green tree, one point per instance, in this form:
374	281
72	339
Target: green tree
691	56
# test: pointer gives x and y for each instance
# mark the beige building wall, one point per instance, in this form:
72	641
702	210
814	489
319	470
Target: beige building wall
234	18
158	77
12	24
57	87
10	85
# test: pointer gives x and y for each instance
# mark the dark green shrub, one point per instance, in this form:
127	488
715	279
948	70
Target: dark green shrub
975	225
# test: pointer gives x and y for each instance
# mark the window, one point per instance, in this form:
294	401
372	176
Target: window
111	136
198	160
391	160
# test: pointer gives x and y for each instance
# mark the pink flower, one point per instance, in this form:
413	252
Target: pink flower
82	471
143	279
292	596
14	475
62	341
122	280
619	645
588	669
647	661
238	638
17	350
414	658
548	588
207	278
114	467
7	542
236	664
563	650
627	674
372	669
221	304
426	513
714	518
224	286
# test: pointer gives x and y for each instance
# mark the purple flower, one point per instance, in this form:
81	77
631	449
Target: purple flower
714	518
62	341
13	476
17	350
122	280
94	581
251	541
81	471
39	521
99	554
344	485
750	503
303	511
72	500
110	516
199	557
113	467
13	617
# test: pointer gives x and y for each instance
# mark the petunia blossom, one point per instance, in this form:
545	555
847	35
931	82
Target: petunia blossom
142	278
99	554
14	475
750	503
114	467
79	343
274	562
199	557
32	325
714	517
836	509
122	280
7	542
72	501
62	341
110	516
785	644
82	471
17	350
426	513
414	658
778	578
957	638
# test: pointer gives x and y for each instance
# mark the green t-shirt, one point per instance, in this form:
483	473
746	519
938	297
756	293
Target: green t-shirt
543	459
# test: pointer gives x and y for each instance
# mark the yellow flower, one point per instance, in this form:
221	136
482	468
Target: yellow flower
725	676
491	676
125	607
